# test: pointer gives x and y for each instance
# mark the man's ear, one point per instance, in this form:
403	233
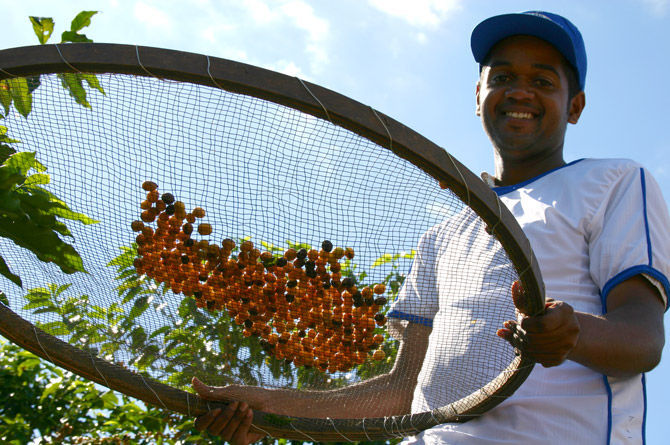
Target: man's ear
577	104
478	109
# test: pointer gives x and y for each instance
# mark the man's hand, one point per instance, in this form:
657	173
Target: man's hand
233	424
548	338
623	342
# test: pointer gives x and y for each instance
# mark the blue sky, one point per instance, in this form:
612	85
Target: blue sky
411	60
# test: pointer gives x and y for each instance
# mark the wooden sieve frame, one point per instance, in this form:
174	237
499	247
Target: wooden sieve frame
319	102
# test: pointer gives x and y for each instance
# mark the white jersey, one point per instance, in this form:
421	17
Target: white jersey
592	224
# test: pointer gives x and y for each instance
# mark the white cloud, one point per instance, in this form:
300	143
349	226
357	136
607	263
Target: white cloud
657	7
213	33
259	11
288	67
152	16
290	36
317	29
420	13
288	19
303	17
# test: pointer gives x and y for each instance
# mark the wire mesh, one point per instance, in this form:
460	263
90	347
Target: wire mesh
282	179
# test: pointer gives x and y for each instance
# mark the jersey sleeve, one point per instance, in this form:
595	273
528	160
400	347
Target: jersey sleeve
630	234
417	300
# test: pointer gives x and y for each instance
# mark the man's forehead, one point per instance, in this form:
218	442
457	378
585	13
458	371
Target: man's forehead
496	63
527	49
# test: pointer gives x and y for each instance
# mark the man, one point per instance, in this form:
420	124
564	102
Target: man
600	231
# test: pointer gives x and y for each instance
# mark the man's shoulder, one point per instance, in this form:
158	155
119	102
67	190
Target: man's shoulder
598	171
607	163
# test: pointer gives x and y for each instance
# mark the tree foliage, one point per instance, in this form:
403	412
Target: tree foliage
30	215
57	407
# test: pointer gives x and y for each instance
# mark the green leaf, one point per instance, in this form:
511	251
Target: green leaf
74	216
5	272
141	304
160	331
3	298
82	20
38	293
93	82
35	304
49	204
33	82
5	152
5	95
149	356
45	310
138	337
62	288
109	400
9	180
386	258
73	83
298	246
54	328
271	247
125	259
71	36
410	255
41	208
37	179
43	27
51	388
30	363
20	92
390	258
6	139
22	162
43	242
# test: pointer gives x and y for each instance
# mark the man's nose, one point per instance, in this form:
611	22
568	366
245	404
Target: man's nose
519	91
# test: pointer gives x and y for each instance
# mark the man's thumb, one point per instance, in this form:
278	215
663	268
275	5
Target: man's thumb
202	389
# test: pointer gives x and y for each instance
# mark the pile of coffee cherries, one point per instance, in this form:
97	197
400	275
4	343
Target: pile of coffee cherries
297	303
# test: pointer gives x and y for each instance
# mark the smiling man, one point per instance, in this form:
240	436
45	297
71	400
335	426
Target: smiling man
525	102
601	232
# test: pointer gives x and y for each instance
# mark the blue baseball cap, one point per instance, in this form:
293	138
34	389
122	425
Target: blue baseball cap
553	28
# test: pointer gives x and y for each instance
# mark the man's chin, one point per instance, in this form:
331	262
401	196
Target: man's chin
517	147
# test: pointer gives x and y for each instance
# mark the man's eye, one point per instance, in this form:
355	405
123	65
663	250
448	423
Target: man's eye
543	82
499	78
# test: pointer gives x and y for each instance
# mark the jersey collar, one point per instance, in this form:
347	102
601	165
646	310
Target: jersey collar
510	188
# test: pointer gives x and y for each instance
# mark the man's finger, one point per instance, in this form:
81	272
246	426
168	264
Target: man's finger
227	422
204	421
241	435
234	426
519	297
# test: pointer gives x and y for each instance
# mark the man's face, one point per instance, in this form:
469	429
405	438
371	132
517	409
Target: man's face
522	98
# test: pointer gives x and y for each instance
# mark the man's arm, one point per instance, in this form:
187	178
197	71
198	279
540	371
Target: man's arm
629	338
385	395
625	341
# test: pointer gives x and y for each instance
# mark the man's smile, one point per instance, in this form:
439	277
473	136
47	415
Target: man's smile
519	115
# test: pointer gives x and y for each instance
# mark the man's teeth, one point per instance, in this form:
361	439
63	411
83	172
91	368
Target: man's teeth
518	115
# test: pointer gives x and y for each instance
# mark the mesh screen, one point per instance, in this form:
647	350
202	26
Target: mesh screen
271	179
